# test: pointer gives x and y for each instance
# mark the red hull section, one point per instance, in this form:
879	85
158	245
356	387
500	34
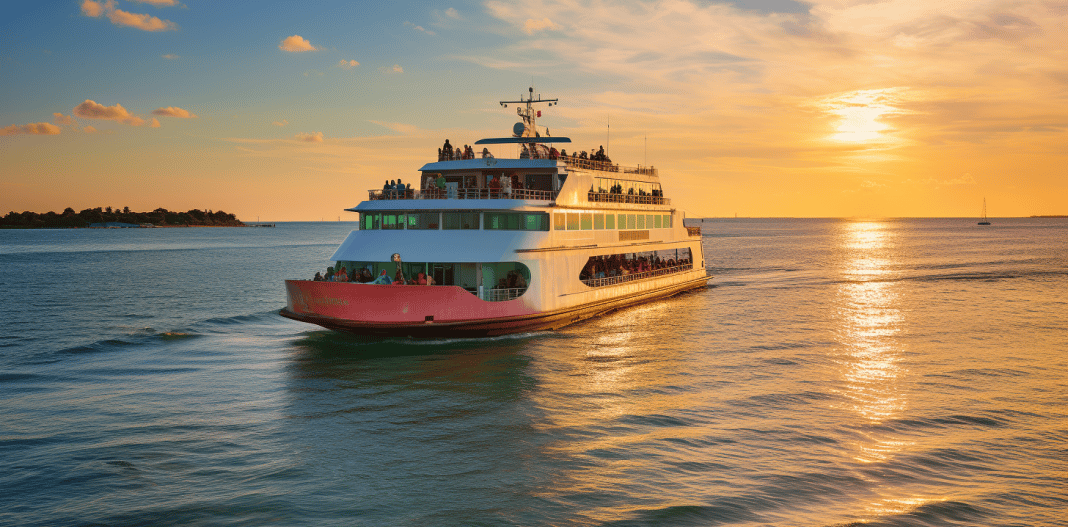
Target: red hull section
405	310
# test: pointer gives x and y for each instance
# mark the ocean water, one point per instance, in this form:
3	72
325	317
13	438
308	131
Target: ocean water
836	372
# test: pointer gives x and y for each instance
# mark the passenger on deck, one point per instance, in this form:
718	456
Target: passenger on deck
365	275
525	153
494	184
446	150
318	277
553	154
583	155
329	276
420	279
486	153
440	158
563	152
398	278
342	275
383	279
440	183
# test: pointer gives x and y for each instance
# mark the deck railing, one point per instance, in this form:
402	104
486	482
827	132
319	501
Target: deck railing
590	164
464	193
613	280
502	295
642	199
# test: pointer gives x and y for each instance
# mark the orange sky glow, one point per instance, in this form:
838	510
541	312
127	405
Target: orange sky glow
815	109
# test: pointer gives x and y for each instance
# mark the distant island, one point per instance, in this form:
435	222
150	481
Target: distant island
106	217
1052	216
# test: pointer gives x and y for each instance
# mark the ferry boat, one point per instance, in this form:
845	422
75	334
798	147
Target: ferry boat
532	242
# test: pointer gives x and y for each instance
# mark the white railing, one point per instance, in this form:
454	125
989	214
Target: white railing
613	280
464	193
643	199
502	295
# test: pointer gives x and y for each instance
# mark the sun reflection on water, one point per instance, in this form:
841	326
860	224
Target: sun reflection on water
870	322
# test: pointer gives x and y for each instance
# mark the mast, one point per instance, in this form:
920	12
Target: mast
529	114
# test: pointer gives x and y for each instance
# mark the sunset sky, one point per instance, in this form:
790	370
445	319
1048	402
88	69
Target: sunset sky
292	111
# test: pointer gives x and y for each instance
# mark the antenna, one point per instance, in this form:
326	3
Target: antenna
646	149
608	140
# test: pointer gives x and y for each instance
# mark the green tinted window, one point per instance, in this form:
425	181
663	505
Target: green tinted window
459	220
641	221
667	221
622	221
658	221
573	221
559	221
630	222
389	221
537	221
587	221
610	221
598	221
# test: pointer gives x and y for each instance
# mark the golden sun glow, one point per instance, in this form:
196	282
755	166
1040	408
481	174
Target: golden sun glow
859	114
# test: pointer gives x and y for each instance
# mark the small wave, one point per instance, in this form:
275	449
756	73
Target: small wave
96	347
175	335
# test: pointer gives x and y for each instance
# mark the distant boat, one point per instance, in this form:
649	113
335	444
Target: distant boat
983	220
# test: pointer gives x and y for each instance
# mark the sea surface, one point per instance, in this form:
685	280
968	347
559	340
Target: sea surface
836	372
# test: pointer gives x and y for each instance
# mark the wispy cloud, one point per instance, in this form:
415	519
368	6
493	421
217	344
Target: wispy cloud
158	3
314	137
144	22
170	56
531	26
419	28
62	120
347	64
283	122
31	129
296	44
173	111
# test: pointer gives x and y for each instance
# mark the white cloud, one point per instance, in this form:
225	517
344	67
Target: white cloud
452	13
158	3
31	129
419	28
93	110
314	137
119	17
170	56
62	120
347	64
173	111
296	44
397	69
283	122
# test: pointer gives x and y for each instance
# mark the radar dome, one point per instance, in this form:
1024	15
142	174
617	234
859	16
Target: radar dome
518	129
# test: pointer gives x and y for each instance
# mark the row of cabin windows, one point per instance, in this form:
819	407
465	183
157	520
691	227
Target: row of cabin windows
585	221
511	221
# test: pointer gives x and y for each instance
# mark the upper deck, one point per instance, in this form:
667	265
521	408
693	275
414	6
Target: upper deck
533	179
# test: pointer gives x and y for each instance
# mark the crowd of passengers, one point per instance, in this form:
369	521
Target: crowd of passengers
447	152
617	265
618	189
364	276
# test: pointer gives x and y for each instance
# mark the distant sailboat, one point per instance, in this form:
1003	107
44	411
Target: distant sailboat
983	220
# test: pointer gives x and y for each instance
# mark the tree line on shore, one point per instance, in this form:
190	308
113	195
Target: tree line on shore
160	217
